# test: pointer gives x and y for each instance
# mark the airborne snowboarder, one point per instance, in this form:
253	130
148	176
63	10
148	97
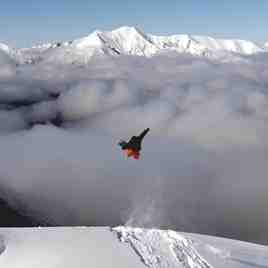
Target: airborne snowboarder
133	146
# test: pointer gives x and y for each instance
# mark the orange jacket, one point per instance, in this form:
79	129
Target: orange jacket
132	153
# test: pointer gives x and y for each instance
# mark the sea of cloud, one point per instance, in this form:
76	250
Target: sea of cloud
203	166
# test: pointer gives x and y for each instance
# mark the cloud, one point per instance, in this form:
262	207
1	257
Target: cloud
7	65
203	164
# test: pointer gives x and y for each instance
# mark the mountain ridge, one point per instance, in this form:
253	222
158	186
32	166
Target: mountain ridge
127	40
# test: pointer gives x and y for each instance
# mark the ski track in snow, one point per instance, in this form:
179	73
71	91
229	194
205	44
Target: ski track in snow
162	249
221	253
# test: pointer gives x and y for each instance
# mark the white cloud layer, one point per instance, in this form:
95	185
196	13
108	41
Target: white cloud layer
7	66
203	166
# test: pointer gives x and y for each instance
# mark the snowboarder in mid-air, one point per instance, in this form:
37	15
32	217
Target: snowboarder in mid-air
133	146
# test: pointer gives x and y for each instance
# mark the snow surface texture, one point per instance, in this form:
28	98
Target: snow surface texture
65	248
203	166
124	247
132	41
159	249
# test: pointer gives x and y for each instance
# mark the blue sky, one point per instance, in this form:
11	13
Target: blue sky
27	22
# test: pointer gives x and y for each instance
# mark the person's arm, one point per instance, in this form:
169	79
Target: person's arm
144	132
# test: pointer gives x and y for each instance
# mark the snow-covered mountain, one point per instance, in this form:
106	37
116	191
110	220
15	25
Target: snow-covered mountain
132	41
125	40
123	247
60	164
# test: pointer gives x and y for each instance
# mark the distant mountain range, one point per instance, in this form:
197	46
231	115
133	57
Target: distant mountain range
132	41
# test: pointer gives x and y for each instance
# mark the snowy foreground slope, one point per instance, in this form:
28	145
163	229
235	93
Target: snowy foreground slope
123	247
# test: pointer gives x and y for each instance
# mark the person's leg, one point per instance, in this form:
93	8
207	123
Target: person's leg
136	155
128	152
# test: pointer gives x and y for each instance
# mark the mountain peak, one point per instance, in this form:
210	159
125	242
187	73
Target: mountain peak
126	30
89	41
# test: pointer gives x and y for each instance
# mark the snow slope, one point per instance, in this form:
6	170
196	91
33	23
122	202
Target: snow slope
120	247
232	45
